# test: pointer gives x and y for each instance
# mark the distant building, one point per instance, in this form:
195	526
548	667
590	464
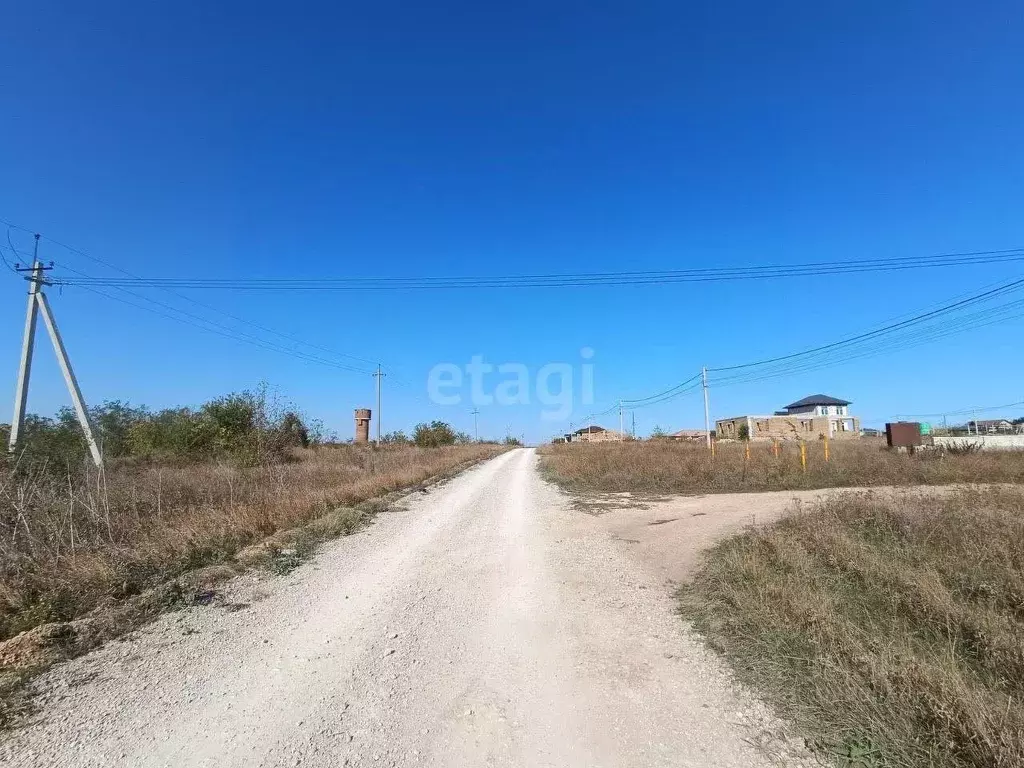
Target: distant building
595	434
690	435
991	426
811	418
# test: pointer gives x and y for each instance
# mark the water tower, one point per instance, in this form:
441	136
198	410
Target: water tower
363	425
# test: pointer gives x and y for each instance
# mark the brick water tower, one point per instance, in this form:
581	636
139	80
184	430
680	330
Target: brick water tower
363	425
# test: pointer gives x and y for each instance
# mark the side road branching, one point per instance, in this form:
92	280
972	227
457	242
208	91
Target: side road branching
890	628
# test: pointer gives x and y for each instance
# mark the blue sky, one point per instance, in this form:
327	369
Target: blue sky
409	139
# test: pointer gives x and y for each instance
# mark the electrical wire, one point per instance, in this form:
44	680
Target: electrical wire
224	331
915	338
13	250
182	296
561	281
555	280
667	391
1007	287
961	411
665	399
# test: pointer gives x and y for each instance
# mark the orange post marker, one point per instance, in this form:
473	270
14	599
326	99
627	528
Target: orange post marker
713	448
826	449
746	451
775	447
803	455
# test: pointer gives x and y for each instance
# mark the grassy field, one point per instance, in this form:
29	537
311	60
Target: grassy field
70	542
662	466
889	628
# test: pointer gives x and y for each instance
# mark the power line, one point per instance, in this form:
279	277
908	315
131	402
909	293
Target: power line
14	250
667	391
1014	285
867	342
226	333
570	279
554	280
224	330
960	412
141	280
907	341
667	398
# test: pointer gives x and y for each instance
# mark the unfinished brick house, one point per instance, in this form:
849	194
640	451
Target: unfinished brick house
595	434
811	418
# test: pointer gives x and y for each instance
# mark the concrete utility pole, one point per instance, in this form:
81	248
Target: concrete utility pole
37	302
476	430
622	435
707	406
378	375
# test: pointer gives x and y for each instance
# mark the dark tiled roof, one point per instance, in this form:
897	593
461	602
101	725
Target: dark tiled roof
591	428
818	400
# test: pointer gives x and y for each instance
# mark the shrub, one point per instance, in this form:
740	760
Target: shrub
239	426
398	437
434	434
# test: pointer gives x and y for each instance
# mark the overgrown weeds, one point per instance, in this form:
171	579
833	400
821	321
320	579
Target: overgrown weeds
890	628
659	466
75	539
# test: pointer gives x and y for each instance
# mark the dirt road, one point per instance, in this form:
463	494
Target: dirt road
487	623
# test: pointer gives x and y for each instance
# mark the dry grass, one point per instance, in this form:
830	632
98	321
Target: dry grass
661	466
889	627
71	543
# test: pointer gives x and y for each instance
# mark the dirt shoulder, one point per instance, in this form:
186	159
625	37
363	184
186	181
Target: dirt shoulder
667	535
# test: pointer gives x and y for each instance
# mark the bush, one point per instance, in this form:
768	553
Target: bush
240	427
434	434
398	437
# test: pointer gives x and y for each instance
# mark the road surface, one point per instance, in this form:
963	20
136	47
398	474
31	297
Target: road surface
486	623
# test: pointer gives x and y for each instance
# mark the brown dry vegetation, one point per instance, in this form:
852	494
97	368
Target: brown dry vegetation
889	627
662	466
70	543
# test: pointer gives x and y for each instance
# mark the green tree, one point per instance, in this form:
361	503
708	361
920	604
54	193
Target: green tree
292	431
113	422
434	434
398	437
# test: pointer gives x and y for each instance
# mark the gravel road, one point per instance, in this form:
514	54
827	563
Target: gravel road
485	623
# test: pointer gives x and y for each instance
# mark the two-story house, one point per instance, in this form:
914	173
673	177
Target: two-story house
810	418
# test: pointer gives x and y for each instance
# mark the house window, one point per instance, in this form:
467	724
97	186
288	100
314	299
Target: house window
762	426
805	426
